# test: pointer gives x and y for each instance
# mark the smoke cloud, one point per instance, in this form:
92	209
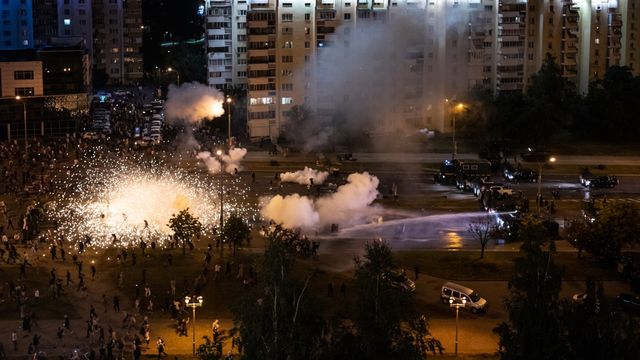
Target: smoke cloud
303	176
361	100
292	211
349	204
193	102
230	161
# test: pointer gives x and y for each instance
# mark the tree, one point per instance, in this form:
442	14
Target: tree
481	229
185	226
236	231
385	319
617	225
533	330
609	331
279	321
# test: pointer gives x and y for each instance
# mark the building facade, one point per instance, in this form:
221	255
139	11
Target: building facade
17	24
117	40
410	56
45	21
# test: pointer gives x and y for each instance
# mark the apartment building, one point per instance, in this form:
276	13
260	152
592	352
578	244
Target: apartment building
411	56
75	21
45	21
226	43
17	24
117	40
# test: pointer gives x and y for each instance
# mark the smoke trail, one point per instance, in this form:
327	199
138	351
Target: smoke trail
303	176
230	161
193	102
349	204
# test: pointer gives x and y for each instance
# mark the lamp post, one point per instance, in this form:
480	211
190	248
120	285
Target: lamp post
219	153
196	303
452	111
24	118
170	69
457	306
229	121
552	160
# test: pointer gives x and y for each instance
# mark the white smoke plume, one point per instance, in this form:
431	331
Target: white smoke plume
292	211
193	102
230	161
346	206
303	176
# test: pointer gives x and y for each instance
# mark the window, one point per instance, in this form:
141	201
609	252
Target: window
347	16
242	49
287	44
287	17
307	17
67	22
287	101
242	74
287	59
242	25
446	291
24	91
307	44
287	5
23	75
285	87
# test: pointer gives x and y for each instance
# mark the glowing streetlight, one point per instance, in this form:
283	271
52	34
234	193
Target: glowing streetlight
452	110
457	305
551	160
229	120
196	303
170	69
24	119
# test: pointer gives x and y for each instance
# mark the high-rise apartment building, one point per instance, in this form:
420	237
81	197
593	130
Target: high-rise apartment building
397	62
75	21
226	43
17	24
117	40
45	21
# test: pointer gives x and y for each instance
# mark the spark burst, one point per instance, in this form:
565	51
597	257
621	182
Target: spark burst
117	201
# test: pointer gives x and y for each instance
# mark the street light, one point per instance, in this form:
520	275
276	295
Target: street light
229	120
24	118
452	109
457	305
538	198
170	69
196	303
219	153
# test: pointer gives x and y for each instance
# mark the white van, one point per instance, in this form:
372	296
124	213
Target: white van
474	302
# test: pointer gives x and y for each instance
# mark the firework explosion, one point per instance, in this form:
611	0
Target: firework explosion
115	202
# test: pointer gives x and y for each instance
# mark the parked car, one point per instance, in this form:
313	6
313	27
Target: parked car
629	302
400	280
456	293
520	175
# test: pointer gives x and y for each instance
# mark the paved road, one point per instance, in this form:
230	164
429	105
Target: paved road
439	157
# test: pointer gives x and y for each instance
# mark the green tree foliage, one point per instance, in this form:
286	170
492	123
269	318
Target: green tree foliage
236	232
598	329
278	321
386	323
617	225
184	226
533	330
610	110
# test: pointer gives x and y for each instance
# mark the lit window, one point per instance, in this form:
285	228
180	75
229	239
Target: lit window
67	22
287	101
